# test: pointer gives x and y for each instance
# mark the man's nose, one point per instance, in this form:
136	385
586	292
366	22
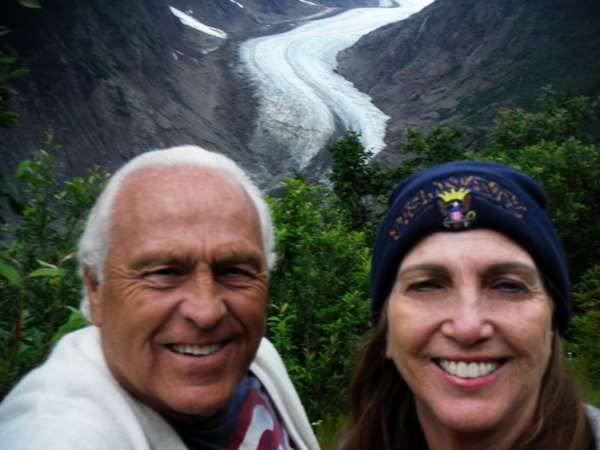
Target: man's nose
468	322
203	304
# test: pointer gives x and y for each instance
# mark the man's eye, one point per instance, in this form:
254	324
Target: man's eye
425	286
166	272
235	273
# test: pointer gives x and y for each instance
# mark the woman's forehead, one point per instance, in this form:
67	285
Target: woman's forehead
483	247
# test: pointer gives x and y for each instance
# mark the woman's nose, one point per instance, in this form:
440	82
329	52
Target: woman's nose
468	322
203	303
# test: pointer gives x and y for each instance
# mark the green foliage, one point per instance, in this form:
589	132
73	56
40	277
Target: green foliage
561	118
38	272
75	322
326	430
319	302
437	147
6	92
585	327
361	189
7	63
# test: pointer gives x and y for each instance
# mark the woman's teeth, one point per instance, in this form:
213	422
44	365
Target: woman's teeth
468	370
197	350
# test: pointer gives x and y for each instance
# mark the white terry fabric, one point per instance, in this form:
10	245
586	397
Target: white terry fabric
593	414
72	402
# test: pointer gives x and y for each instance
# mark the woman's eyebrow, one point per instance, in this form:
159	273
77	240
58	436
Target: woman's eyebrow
431	268
530	272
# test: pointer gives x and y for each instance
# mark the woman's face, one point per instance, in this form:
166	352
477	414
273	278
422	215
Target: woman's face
470	330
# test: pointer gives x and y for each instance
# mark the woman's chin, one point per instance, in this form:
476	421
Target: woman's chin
467	417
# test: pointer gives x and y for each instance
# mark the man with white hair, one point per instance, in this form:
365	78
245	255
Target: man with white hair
175	256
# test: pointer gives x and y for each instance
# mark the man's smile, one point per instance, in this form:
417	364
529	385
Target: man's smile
196	350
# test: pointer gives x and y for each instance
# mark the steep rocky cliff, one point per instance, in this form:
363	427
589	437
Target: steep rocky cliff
457	61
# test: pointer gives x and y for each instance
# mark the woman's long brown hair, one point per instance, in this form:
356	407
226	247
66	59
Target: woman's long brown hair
383	414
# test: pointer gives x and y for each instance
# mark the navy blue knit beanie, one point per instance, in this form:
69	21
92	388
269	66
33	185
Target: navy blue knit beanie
465	195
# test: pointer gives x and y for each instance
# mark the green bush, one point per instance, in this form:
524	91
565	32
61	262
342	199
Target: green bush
6	92
361	188
585	327
39	273
319	301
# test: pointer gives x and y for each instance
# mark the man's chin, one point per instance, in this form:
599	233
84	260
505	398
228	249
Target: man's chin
195	404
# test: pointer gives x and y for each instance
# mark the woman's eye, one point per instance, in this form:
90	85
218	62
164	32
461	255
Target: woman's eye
425	286
510	286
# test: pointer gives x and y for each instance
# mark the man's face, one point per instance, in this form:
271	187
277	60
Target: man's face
183	306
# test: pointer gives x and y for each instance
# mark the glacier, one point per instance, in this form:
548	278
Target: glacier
302	102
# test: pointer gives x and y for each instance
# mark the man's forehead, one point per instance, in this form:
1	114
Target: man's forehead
170	191
164	175
170	184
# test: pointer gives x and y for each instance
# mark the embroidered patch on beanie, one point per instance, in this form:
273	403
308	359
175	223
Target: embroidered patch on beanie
453	197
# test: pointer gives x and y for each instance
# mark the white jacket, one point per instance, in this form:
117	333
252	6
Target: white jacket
73	402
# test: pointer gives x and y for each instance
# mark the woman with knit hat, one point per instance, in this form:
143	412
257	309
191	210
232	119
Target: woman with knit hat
470	299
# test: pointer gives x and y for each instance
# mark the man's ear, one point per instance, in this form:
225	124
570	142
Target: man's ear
94	292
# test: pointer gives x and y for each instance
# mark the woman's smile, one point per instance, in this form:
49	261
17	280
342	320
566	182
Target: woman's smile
465	369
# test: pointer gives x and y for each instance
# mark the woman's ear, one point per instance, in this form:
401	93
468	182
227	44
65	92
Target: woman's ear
94	292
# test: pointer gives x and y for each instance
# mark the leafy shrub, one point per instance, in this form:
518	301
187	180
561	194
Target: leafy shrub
361	188
319	303
39	274
584	343
6	92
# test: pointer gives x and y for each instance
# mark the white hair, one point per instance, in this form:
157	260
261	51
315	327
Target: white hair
96	239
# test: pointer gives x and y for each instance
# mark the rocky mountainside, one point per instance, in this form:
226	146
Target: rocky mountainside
112	79
457	61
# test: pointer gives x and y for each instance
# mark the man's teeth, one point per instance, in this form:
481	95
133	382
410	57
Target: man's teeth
197	350
468	370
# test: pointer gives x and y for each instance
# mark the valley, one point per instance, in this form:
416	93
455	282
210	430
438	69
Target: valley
111	80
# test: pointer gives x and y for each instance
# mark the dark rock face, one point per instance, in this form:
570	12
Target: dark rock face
110	80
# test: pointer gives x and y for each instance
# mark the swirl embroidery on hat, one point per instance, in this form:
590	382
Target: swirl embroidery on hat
471	186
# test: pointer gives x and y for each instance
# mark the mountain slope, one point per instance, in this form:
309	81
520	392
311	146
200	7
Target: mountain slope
458	60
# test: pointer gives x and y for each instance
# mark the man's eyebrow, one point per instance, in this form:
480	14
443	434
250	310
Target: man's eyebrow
160	259
431	268
253	259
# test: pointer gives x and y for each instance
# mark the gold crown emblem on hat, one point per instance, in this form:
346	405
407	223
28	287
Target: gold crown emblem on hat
453	194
